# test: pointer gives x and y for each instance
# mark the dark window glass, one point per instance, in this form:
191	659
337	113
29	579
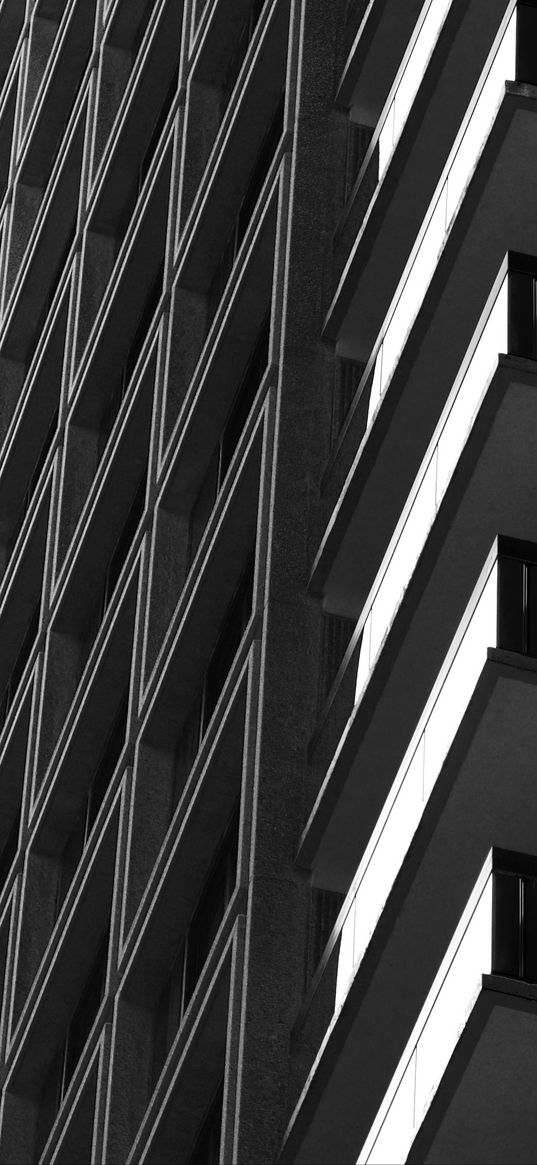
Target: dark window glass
124	541
229	439
114	568
7	855
511	604
517	605
150	305
347	377
207	1147
337	632
214	679
506	928
145	164
84	1016
514	932
521	313
246	209
123	378
526	46
23	655
529	951
203	506
53	286
157	129
79	835
142	25
202	930
531	608
228	643
358	142
168	1014
49	1102
239	52
325	907
34	478
187	747
61	1070
244	399
107	763
71	856
211	909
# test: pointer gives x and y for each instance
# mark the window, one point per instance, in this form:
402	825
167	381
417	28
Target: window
517	605
358	141
325	907
58	271
514	928
336	635
526	50
522	303
9	850
129	364
80	834
34	478
201	933
203	706
246	209
113	568
207	1147
347	377
63	1067
241	48
17	670
229	439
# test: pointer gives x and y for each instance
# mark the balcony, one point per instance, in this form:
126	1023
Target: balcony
411	141
448	1005
448	1057
432	317
465	782
475	479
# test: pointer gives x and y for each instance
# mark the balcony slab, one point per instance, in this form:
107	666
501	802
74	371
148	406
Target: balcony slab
491	492
485	795
495	214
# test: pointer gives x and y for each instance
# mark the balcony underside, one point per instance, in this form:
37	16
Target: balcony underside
496	214
484	795
491	492
393	221
373	62
484	1109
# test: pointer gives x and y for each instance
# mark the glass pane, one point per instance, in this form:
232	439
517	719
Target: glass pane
510	604
530	929
531	609
505	924
526	45
521	313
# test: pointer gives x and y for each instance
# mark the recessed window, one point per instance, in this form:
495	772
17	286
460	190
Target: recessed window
514	930
79	836
229	439
246	210
61	1071
207	1147
202	708
201	933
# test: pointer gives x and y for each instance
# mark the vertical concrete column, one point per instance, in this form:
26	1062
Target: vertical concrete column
278	895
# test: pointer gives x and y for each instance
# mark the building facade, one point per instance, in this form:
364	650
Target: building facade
268	609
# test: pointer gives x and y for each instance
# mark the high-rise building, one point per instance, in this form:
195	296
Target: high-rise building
268	592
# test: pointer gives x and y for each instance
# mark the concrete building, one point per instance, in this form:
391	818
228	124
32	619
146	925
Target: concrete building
268	593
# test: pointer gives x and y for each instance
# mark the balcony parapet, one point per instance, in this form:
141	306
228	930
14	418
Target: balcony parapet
437	1031
462	777
419	595
430	323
